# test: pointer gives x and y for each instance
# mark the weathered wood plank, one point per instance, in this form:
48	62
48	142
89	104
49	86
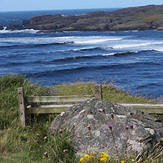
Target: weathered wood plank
59	99
22	109
143	105
56	106
98	91
46	110
59	108
150	108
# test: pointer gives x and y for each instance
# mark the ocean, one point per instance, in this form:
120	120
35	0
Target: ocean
132	60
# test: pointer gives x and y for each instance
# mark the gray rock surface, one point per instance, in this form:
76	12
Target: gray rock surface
15	27
1	27
99	126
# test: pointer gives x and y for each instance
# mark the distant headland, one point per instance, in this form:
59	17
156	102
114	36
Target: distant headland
133	18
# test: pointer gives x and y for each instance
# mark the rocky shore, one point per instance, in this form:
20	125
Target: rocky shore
133	18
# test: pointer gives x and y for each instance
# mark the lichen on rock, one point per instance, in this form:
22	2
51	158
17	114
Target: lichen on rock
99	126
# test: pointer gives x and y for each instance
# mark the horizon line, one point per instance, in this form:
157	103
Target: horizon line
77	9
60	9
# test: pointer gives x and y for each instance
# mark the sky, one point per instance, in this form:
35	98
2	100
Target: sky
26	5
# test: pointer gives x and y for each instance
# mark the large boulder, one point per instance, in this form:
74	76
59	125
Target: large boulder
99	126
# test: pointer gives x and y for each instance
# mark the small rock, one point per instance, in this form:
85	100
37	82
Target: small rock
90	116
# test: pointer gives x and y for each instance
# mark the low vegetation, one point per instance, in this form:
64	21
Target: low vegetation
34	143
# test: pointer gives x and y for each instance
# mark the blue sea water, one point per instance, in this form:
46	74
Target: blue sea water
133	60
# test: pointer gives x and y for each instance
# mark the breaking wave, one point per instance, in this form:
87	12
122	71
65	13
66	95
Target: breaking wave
121	46
19	31
97	40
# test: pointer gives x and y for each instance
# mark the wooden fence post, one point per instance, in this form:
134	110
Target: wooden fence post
98	91
22	108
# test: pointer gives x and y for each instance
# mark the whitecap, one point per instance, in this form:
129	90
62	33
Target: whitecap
90	39
158	49
109	54
96	41
32	40
19	31
136	45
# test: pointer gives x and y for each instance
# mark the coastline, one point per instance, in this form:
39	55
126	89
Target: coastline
134	18
82	88
2	30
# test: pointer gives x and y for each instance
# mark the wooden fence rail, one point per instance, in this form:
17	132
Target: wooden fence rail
57	104
150	108
49	104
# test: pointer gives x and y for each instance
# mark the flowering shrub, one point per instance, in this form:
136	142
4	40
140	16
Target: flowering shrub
104	157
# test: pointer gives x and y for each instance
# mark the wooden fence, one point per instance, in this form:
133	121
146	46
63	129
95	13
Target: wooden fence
49	104
57	104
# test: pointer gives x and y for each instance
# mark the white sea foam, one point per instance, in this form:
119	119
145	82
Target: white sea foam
85	40
131	31
90	39
120	53
158	49
134	30
136	45
109	54
96	41
32	40
19	31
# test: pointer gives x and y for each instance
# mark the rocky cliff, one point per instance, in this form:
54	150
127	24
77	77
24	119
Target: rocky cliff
133	18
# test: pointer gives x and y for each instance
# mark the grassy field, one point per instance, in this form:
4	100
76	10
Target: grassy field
34	143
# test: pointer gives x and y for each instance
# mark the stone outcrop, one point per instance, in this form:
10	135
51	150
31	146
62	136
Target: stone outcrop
134	18
15	27
98	126
1	27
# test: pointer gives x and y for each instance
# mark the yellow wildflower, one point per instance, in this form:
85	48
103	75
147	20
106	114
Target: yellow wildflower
132	160
81	159
103	159
122	161
87	156
103	154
